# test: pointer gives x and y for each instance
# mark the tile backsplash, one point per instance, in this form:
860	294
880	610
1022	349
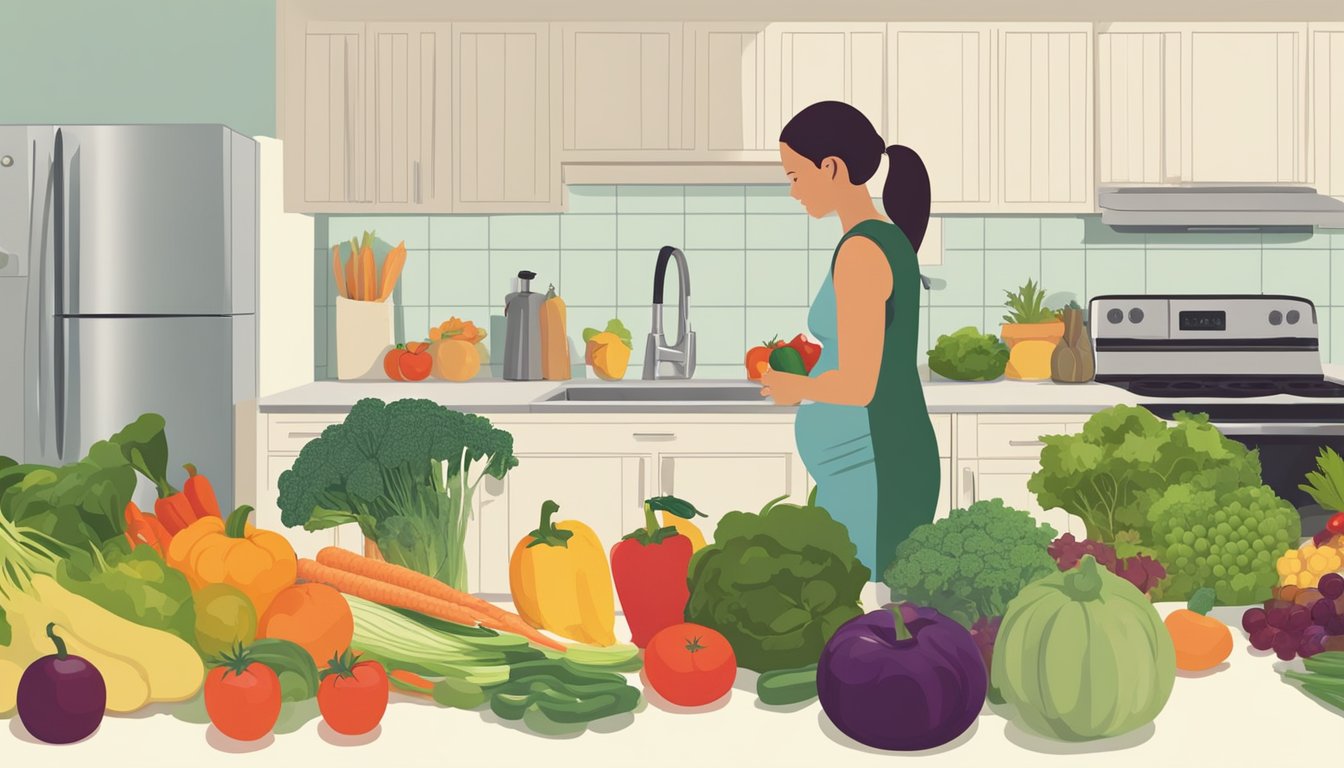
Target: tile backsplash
756	260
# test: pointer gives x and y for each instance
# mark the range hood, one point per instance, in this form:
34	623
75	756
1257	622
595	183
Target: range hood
1218	208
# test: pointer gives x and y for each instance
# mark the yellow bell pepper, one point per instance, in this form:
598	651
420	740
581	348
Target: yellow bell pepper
256	562
561	581
686	528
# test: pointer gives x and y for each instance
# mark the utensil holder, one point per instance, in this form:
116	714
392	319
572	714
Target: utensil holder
364	333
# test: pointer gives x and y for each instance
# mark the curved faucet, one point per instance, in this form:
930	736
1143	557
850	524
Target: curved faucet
681	356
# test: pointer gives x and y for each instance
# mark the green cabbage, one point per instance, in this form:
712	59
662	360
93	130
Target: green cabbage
969	355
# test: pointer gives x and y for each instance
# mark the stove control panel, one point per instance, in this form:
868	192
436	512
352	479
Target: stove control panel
1202	317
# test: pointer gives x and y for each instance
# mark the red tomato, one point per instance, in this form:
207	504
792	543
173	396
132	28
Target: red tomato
243	705
353	695
690	665
408	362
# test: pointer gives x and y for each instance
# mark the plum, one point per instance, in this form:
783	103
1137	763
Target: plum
61	697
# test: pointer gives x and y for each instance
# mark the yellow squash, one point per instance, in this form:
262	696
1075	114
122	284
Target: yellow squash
258	563
561	582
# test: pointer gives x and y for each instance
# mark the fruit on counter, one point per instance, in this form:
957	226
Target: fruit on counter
758	358
1140	570
259	563
408	362
225	617
454	349
649	567
353	694
135	584
314	616
966	354
807	350
1086	620
902	678
1304	567
686	528
554	339
1201	641
242	696
146	530
560	580
383	468
608	351
782	687
777	583
292	665
787	360
690	665
1299	622
61	697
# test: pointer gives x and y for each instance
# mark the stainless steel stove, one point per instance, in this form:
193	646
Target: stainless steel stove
1252	362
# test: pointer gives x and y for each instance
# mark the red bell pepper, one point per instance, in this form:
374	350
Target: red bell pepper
807	350
650	567
179	509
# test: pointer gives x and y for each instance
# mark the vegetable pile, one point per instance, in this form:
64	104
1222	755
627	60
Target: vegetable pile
797	356
969	355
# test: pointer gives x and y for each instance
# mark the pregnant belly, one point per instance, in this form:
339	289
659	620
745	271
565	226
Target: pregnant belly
833	439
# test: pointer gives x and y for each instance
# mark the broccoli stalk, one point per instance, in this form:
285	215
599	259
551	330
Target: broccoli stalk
405	472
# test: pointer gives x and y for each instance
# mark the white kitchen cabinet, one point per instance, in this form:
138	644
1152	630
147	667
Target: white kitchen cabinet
807	62
409	78
505	154
1044	95
628	87
938	99
996	454
1326	99
1139	89
730	91
324	117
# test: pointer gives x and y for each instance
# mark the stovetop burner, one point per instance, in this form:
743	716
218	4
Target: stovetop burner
1249	387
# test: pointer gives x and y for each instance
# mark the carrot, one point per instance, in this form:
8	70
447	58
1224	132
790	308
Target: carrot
384	593
409	682
491	615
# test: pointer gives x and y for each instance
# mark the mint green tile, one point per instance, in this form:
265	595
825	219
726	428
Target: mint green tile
1009	271
1194	241
592	198
1098	235
413	287
963	233
1335	323
818	266
579	318
524	231
958	281
588	278
390	229
1064	277
411	324
824	232
1317	239
320	337
651	231
718	278
1299	273
505	265
777	278
650	199
772	230
637	321
925	340
460	278
468	233
1203	271
1111	271
765	323
324	290
1012	232
331	342
1325	334
771	198
634	280
715	230
1062	232
946	320
716	199
719	333
587	231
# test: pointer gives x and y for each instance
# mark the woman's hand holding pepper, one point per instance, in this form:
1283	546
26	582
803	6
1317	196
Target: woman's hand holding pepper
784	388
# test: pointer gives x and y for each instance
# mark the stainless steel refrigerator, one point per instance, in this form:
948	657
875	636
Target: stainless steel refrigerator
127	284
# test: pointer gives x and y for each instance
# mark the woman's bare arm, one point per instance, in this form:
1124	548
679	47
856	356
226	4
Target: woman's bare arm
862	284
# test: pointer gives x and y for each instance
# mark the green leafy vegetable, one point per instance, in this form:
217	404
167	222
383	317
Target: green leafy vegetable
384	468
969	355
134	584
1027	305
1326	486
615	327
777	584
145	447
80	505
968	565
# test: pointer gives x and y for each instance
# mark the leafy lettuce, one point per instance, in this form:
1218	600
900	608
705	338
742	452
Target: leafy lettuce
134	584
969	355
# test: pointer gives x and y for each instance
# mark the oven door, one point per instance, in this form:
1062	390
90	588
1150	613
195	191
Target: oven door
1287	453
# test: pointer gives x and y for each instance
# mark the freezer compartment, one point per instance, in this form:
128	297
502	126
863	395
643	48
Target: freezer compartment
190	370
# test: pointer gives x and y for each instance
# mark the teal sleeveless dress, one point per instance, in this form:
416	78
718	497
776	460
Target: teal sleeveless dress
876	467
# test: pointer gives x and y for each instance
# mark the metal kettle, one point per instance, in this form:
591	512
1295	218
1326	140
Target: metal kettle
522	336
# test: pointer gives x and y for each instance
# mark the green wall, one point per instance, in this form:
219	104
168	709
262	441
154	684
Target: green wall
139	61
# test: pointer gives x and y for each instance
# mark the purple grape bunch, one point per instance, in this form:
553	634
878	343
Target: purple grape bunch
1299	622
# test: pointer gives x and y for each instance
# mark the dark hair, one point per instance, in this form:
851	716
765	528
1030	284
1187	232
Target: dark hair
836	129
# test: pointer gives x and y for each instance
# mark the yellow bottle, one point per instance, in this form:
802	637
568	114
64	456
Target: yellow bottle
561	581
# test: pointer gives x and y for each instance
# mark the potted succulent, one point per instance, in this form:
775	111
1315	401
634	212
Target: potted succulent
1031	331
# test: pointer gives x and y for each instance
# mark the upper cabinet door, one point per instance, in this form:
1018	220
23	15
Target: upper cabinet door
324	117
939	105
1327	108
1139	107
627	87
824	61
409	77
505	122
730	89
1045	117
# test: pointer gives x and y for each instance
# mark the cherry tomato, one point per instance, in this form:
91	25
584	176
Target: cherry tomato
690	665
353	694
242	697
1336	523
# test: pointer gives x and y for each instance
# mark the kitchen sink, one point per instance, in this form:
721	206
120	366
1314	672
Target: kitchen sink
658	392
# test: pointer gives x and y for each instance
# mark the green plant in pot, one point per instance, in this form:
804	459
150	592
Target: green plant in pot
1031	331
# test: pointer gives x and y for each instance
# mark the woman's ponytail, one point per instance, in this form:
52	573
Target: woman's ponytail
906	196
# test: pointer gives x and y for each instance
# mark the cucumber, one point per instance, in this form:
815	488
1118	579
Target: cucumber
787	360
291	663
780	687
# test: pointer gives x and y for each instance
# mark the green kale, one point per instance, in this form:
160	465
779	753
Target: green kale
968	565
80	505
402	472
969	355
134	584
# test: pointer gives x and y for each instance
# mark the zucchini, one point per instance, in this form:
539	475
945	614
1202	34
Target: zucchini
780	687
291	663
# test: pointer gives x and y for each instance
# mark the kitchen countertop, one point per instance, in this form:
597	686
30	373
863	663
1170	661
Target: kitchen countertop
1231	715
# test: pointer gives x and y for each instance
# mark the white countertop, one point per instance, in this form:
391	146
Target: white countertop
1231	716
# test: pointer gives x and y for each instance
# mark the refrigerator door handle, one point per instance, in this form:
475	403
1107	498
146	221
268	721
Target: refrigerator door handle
40	437
58	377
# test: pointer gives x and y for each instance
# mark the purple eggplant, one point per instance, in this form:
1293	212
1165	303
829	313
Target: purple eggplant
61	698
902	679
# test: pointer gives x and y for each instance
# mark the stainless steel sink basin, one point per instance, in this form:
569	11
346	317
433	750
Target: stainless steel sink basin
658	393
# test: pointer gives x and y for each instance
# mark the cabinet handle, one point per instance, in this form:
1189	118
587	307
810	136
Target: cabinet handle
305	434
655	435
417	182
1026	442
968	476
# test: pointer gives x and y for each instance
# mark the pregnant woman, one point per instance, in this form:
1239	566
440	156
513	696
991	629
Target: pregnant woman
862	429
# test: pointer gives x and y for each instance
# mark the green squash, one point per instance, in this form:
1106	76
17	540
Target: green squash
1082	655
